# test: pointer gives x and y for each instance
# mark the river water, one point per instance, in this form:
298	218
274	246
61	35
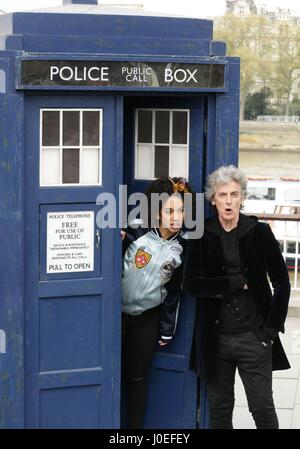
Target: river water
270	163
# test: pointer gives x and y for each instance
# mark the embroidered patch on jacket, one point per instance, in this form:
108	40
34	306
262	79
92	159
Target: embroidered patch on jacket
176	248
142	258
166	270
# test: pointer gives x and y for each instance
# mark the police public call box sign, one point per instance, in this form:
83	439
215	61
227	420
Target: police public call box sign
59	74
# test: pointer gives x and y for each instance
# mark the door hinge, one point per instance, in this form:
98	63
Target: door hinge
98	238
198	417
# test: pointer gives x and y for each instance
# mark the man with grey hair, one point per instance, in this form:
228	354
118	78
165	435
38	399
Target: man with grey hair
238	315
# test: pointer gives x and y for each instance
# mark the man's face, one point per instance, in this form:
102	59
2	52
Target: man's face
228	199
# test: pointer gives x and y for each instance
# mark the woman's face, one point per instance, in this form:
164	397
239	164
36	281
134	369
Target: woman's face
172	214
228	199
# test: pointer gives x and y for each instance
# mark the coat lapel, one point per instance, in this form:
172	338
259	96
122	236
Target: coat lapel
216	244
244	245
246	225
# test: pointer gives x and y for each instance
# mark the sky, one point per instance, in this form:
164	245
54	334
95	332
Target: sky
198	8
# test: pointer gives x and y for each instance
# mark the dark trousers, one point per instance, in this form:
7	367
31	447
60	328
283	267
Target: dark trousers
253	358
140	334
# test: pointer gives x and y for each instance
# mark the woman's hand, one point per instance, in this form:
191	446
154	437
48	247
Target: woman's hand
163	343
123	234
164	340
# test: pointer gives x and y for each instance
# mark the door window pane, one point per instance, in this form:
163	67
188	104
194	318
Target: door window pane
91	131
179	162
71	128
70	166
50	128
50	167
162	126
180	127
71	162
166	154
161	169
90	166
145	161
144	126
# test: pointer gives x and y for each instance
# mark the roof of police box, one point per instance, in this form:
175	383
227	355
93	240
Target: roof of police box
104	10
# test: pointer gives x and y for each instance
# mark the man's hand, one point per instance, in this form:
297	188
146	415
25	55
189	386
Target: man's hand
237	282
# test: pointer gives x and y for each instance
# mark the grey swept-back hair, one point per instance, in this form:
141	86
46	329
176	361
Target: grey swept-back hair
223	175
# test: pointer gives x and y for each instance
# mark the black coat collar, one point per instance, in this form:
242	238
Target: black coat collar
246	225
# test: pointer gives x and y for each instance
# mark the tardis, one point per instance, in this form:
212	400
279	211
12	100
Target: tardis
91	99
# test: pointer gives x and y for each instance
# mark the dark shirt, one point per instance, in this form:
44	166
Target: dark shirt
239	312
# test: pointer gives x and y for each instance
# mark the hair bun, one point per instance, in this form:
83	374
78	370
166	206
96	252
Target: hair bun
180	185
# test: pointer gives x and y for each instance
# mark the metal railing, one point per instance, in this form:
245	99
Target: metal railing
278	118
287	231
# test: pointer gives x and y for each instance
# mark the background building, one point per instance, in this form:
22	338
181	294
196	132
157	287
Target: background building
245	8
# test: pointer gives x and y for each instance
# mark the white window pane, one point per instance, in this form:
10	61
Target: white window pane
50	166
144	162
179	162
90	166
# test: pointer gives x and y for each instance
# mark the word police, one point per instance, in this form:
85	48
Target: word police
68	73
131	74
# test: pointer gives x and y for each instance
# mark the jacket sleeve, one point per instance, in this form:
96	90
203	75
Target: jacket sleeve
278	274
196	281
170	307
132	234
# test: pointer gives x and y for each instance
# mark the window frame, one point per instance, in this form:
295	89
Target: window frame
81	147
153	143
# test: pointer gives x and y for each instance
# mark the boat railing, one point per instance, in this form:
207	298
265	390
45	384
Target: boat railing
286	228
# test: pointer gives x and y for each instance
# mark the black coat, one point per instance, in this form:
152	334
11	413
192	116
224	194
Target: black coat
205	278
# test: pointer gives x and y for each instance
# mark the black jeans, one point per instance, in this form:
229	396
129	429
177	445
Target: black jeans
253	358
140	334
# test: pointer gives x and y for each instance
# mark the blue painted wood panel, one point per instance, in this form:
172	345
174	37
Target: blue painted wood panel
173	387
11	262
71	371
30	23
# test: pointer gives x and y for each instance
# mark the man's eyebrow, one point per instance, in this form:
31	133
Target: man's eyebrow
233	191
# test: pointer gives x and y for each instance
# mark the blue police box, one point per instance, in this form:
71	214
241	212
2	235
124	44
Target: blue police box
92	98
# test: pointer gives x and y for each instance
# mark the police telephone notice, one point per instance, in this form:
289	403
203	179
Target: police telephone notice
70	241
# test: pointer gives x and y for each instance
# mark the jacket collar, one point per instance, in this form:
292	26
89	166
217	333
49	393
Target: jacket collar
245	224
172	237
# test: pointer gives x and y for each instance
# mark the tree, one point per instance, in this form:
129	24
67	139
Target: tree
257	104
285	60
295	107
246	38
